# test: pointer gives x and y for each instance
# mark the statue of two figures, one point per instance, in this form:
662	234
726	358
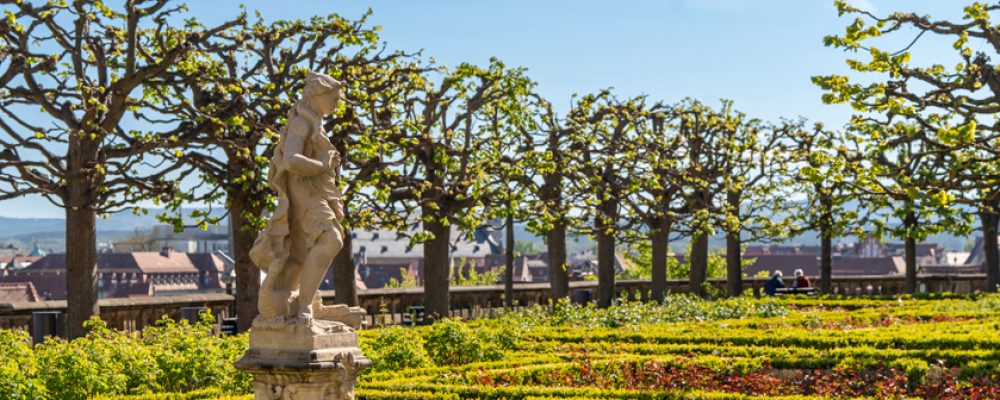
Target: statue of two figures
304	233
300	348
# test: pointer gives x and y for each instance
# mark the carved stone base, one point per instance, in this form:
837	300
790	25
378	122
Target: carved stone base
303	360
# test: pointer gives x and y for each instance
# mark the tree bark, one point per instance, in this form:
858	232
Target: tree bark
699	263
910	252
991	250
660	245
734	269
605	224
81	235
556	237
826	261
508	273
699	247
247	274
826	243
558	274
437	266
344	285
605	268
81	268
734	249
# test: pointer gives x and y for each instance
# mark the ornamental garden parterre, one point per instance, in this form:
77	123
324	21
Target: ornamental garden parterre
944	347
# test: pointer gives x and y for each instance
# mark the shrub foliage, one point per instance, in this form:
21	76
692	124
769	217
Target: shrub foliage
684	348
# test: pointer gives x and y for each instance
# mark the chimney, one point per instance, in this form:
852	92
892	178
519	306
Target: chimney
165	251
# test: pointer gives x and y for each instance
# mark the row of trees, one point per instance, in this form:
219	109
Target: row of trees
103	108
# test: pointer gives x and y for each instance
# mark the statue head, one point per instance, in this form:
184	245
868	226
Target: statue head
322	92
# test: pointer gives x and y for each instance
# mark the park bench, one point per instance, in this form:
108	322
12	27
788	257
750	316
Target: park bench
807	291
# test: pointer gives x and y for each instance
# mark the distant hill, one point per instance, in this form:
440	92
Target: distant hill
576	244
10	227
121	222
50	233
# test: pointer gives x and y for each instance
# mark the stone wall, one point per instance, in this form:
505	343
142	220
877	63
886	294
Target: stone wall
388	306
126	314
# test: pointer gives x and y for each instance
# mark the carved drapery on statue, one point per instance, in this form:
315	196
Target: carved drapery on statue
300	348
273	245
305	227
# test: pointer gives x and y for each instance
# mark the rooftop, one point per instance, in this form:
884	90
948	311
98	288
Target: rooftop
147	262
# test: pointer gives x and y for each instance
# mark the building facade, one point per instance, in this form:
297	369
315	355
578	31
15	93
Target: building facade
135	274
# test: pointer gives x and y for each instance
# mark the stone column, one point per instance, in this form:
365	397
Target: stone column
301	362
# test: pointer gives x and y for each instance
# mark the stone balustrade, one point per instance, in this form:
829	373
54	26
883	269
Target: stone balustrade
388	306
125	314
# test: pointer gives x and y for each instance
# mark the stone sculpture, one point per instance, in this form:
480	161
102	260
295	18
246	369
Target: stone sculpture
299	347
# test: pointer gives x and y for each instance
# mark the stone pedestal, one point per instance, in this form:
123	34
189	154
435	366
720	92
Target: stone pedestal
313	360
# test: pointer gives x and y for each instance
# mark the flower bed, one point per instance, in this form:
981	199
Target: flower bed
687	348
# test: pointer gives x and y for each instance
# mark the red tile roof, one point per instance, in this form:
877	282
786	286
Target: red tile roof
207	262
17	292
49	286
869	266
150	262
48	275
809	264
842	266
158	263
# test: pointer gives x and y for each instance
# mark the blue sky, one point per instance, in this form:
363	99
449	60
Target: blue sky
759	53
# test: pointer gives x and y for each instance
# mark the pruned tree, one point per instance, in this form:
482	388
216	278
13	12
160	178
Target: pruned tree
755	159
904	182
89	68
438	174
953	107
606	151
700	130
257	72
821	172
508	123
365	134
548	167
657	206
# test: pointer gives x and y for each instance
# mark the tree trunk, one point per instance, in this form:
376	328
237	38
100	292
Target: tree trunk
699	263
344	285
242	236
734	249
81	235
605	224
81	268
605	268
437	266
734	269
990	248
826	243
660	245
508	273
826	261
345	289
558	275
556	237
910	258
910	252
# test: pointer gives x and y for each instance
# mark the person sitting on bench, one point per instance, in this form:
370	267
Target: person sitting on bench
772	285
801	280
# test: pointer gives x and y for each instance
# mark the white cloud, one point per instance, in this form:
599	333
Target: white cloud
864	5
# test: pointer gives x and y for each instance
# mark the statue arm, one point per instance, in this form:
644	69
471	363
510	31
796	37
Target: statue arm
297	162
